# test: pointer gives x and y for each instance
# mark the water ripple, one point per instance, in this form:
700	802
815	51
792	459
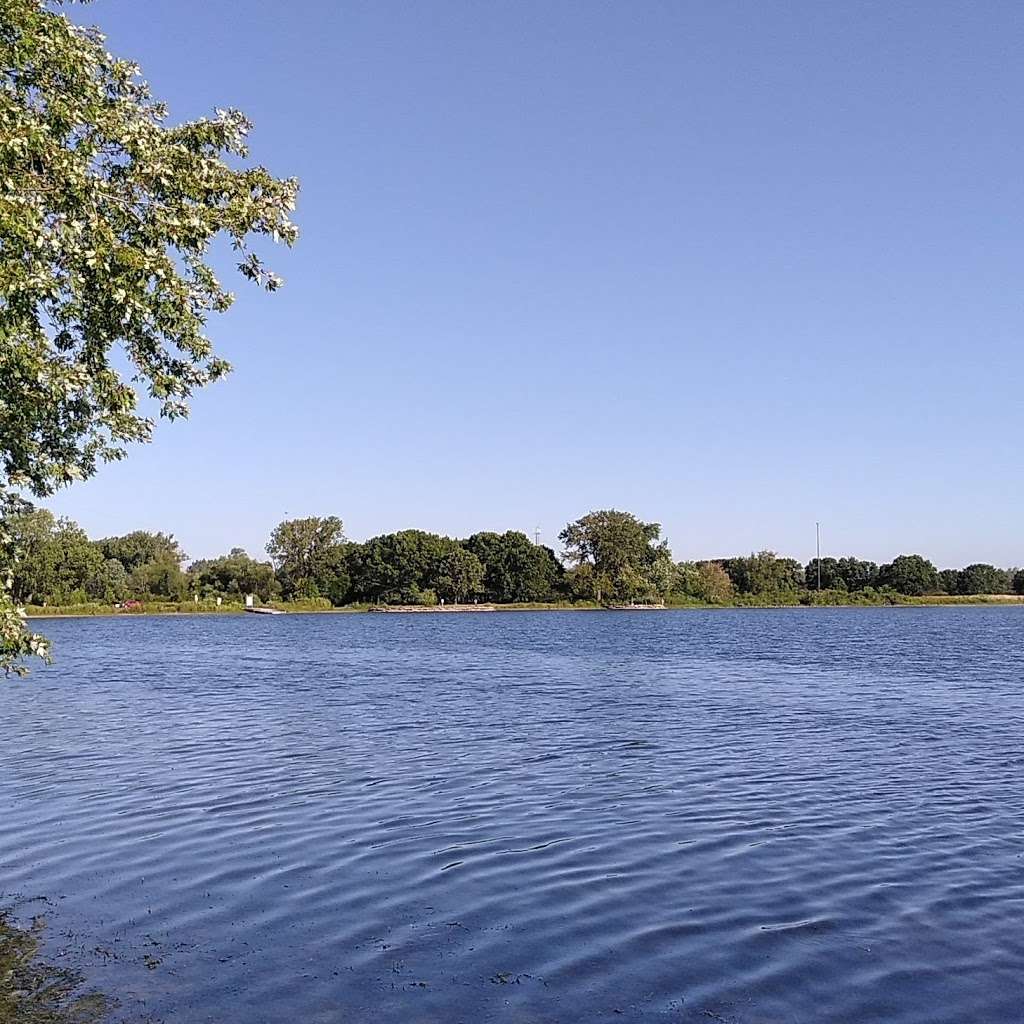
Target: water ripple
792	816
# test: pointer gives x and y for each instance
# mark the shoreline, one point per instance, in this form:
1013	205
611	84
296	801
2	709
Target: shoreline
973	601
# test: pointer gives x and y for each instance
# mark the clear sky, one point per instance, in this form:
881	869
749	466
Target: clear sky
732	266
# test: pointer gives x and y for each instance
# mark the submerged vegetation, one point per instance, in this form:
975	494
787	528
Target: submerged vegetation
33	991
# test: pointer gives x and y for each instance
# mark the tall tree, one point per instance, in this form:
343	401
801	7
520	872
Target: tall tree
703	581
163	580
948	581
307	553
841	574
856	573
981	578
107	215
913	575
617	557
516	569
108	583
399	568
765	573
460	574
55	559
831	577
235	575
140	547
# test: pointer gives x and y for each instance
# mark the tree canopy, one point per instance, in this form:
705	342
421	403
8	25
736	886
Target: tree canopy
234	575
764	573
107	214
57	564
516	569
306	552
982	578
616	556
909	574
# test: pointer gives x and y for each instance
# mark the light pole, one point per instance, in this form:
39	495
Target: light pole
817	534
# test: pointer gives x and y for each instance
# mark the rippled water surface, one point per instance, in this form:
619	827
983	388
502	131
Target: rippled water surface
739	816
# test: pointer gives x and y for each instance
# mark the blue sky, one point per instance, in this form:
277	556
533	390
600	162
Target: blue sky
733	266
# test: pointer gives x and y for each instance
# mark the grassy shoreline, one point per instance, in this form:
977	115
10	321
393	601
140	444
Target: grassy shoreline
189	608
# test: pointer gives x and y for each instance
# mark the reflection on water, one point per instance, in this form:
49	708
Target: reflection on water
748	816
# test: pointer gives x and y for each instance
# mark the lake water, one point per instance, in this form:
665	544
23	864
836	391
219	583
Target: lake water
741	816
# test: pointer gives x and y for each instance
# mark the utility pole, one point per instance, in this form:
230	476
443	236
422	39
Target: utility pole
817	532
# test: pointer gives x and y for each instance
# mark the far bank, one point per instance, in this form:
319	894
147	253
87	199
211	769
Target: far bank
812	600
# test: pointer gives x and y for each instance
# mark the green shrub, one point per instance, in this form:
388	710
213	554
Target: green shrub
304	604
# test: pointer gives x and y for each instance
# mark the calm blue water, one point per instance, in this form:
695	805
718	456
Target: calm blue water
739	816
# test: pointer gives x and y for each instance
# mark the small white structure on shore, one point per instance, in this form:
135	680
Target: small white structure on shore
250	606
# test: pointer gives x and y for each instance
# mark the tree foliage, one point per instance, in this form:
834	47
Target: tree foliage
233	576
615	556
107	215
399	568
140	547
841	574
460	575
913	575
982	578
516	569
307	553
151	561
702	581
764	573
108	583
54	559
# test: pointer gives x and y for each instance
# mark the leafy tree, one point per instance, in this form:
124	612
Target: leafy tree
703	581
660	574
334	582
516	569
152	562
949	581
140	547
856	573
16	641
108	583
614	556
1018	581
163	580
765	573
235	575
307	554
460	575
398	568
981	578
841	574
107	215
831	576
913	575
54	559
713	583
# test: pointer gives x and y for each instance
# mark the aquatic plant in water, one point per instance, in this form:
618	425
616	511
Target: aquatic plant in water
33	991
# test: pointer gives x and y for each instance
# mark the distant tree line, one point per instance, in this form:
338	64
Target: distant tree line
607	556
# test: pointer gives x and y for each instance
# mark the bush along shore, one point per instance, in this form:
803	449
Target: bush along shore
607	559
